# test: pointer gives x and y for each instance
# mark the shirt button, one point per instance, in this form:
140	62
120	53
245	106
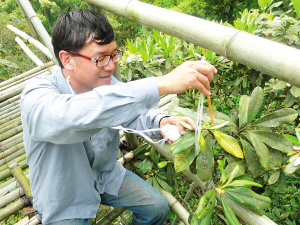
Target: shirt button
148	106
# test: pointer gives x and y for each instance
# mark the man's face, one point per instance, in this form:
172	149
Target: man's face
86	75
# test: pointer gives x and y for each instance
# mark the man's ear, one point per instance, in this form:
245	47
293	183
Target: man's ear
66	59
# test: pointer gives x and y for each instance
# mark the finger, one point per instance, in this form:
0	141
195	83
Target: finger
189	121
206	70
203	86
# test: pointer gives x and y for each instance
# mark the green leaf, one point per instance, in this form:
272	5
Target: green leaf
261	150
275	141
184	159
8	63
183	143
295	91
296	4
229	144
232	175
244	183
221	166
251	158
279	85
255	103
164	185
297	130
264	3
275	159
162	164
274	177
205	162
292	139
242	168
145	166
277	118
282	186
243	110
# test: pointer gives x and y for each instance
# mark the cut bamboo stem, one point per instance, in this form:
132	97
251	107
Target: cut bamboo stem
16	103
11	209
12	143
176	207
10	185
8	198
10	151
111	216
17	172
10	113
28	52
9	101
7	119
18	156
210	110
128	157
32	41
32	221
6	173
166	100
11	133
12	108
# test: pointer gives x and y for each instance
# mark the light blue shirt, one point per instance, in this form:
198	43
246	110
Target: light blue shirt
71	151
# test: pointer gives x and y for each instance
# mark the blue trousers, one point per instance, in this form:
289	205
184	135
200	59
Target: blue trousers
147	205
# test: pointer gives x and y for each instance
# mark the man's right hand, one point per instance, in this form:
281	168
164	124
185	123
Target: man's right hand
190	74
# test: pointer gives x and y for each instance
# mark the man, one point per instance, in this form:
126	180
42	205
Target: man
71	149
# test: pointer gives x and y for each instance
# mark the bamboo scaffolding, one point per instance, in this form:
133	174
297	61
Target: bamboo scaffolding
10	197
6	173
7	119
17	160
29	72
109	217
269	57
11	209
32	221
10	185
12	143
13	156
176	207
32	41
28	52
17	172
12	108
11	150
9	101
10	113
38	26
11	133
7	107
243	213
10	126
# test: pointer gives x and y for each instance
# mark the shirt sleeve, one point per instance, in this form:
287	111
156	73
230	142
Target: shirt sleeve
48	115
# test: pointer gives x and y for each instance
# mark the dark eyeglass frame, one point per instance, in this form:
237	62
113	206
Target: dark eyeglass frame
100	57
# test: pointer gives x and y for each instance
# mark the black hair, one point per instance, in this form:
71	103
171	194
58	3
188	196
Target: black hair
71	31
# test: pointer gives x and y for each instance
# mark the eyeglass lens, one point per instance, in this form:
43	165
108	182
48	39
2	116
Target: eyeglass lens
103	61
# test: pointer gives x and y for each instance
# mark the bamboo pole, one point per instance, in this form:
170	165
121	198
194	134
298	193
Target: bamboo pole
17	172
10	185
29	72
32	41
176	207
7	107
10	113
11	209
32	221
38	26
109	217
10	151
12	108
11	117
11	133
8	198
9	101
269	57
12	143
28	52
6	173
247	215
19	159
10	126
13	156
165	100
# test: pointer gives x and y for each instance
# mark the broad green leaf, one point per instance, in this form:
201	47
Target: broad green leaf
221	166
146	166
162	164
261	150
183	143
295	91
274	177
244	183
242	168
280	85
164	185
276	159
296	4
178	111
218	126
184	159
282	186
229	144
251	158
297	130
277	118
290	168
255	103
264	3
275	141
232	175
205	162
292	139
243	110
8	63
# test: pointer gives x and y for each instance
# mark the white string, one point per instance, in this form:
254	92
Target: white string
140	132
198	123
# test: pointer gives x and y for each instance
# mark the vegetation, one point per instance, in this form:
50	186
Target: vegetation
245	154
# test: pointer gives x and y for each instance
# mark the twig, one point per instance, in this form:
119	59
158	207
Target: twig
183	199
210	110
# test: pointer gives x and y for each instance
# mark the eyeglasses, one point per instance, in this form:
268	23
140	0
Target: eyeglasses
104	59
